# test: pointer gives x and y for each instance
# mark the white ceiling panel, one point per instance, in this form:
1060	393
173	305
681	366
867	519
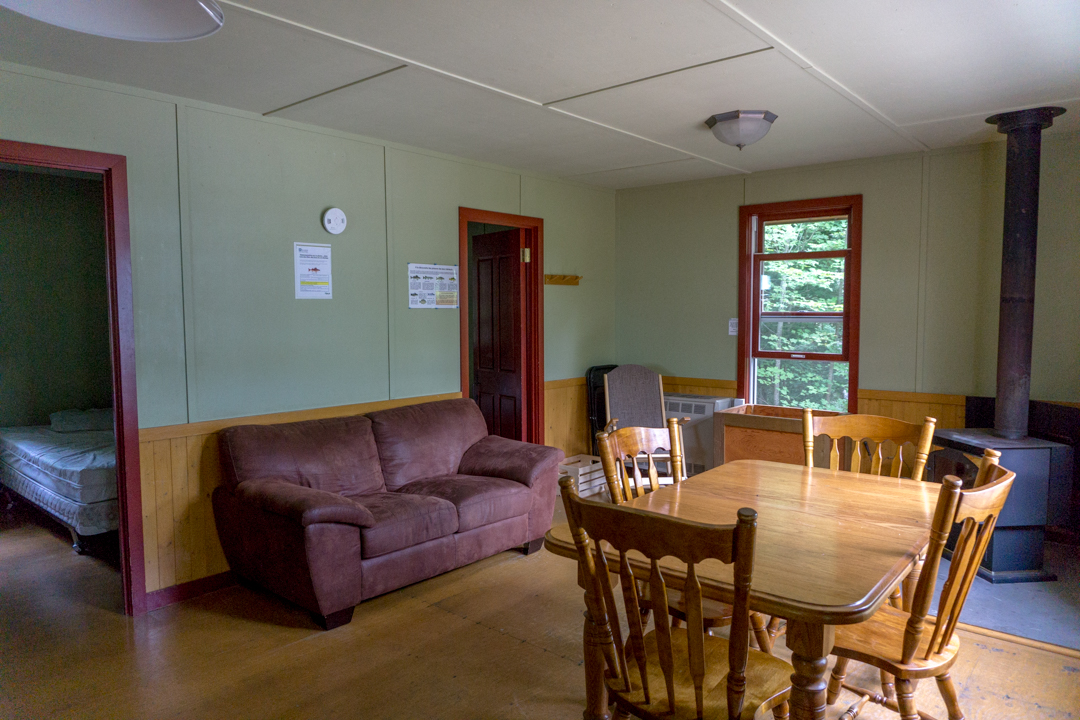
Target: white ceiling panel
252	63
923	60
419	108
675	171
815	123
973	129
543	50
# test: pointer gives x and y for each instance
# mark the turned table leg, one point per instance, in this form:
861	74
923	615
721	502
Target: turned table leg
810	645
596	695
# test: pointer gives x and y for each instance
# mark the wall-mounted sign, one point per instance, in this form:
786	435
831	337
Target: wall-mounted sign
313	277
433	286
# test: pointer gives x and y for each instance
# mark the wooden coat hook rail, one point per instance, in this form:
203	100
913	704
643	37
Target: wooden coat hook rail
561	279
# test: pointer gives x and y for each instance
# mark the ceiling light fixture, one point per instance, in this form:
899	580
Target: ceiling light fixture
741	127
142	20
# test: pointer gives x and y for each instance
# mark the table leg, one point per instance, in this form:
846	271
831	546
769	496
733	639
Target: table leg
596	695
810	645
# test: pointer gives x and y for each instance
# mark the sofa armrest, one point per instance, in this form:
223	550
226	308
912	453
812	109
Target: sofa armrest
304	505
500	457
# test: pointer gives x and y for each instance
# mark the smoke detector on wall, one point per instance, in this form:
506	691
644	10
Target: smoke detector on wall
333	221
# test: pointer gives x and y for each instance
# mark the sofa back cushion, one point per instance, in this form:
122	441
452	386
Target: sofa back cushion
337	455
421	441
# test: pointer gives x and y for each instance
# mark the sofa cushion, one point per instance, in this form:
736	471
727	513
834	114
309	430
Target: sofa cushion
403	520
479	500
337	455
426	440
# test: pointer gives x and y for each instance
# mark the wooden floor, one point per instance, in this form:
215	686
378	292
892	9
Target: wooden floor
498	639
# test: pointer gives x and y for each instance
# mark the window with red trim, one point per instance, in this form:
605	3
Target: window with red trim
799	303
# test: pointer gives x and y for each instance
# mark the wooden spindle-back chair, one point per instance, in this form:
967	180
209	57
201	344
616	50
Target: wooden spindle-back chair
871	436
622	451
911	646
672	672
879	446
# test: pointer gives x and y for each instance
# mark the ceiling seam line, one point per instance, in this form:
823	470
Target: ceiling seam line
985	113
658	75
627	167
738	16
334	90
467	81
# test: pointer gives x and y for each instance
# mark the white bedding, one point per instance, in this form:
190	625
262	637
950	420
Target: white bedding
79	466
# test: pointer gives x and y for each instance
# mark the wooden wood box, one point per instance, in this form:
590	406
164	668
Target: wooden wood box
588	471
764	432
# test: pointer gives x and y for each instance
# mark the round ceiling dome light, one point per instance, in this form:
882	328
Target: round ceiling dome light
141	20
741	127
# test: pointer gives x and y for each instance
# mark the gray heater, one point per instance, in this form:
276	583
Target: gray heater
1016	551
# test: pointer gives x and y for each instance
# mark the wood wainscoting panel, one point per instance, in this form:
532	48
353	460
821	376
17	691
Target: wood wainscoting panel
179	469
566	414
699	386
914	407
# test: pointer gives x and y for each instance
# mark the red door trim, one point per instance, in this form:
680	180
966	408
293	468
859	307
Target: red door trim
532	281
113	169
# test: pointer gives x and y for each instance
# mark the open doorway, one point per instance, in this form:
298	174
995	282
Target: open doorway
68	421
501	281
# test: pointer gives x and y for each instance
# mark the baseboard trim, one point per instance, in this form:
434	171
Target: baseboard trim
1027	642
188	590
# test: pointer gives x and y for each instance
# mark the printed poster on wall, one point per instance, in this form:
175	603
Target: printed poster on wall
313	277
433	286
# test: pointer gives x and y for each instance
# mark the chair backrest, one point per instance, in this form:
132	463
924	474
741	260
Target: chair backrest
657	536
869	435
626	446
635	395
978	509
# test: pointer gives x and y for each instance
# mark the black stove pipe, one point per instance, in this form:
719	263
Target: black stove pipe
1024	129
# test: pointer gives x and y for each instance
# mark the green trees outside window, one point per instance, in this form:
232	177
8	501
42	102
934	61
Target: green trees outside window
789	288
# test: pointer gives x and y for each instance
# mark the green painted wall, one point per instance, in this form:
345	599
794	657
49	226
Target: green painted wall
1056	374
931	265
217	198
580	238
54	315
677	269
56	110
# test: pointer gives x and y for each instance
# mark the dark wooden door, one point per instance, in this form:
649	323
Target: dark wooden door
497	333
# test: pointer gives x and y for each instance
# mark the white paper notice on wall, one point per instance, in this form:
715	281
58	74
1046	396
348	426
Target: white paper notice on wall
314	280
733	326
432	287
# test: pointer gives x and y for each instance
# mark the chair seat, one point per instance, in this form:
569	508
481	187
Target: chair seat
768	682
879	640
713	612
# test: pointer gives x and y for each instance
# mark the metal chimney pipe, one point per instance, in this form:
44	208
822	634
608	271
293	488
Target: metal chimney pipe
1024	129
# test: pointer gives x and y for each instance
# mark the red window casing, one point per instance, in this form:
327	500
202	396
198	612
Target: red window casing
752	220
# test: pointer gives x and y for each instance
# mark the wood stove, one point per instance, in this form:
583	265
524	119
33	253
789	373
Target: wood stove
1016	551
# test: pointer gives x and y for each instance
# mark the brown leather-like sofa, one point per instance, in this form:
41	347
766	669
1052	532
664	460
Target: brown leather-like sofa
327	513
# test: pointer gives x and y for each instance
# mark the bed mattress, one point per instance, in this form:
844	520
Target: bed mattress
85	518
79	466
71	476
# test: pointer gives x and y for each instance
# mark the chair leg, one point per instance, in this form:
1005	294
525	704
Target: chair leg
780	712
896	598
948	694
774	626
761	632
839	671
888	689
905	700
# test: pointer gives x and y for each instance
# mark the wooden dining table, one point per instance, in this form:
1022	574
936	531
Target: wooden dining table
830	547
